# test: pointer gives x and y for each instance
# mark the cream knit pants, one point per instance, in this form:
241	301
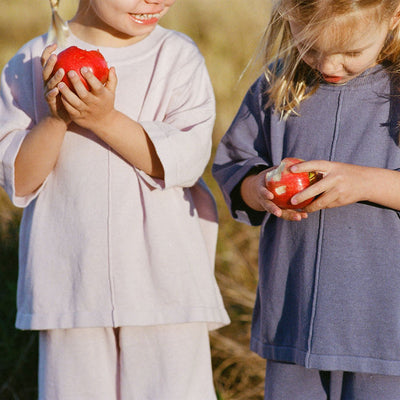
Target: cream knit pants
166	362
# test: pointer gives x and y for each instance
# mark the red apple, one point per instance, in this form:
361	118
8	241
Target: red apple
284	184
74	58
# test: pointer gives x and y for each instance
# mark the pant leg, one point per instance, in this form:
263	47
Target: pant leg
358	386
78	364
284	381
166	362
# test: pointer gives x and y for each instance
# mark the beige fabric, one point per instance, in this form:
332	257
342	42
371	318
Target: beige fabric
170	362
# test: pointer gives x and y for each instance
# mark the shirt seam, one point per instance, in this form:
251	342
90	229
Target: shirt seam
109	261
319	243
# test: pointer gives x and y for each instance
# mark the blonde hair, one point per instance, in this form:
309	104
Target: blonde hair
290	79
59	30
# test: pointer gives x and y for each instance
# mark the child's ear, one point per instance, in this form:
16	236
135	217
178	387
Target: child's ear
395	19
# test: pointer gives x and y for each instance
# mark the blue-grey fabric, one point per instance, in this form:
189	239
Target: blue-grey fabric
329	286
293	382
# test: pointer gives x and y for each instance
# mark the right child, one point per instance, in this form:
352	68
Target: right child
327	313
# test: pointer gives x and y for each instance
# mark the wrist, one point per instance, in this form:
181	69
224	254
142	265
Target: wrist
55	124
103	126
248	189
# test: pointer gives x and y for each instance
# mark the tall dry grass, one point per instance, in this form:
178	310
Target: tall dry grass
228	33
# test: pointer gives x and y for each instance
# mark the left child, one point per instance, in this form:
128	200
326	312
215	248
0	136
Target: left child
118	234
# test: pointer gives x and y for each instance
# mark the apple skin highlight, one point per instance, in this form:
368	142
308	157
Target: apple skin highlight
284	184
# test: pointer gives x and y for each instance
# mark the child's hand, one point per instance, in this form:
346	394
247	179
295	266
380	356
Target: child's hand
255	194
48	61
89	109
342	184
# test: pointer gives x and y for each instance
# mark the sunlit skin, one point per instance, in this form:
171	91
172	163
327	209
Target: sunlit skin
342	184
111	23
117	23
340	63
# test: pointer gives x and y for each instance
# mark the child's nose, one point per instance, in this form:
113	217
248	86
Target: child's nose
330	64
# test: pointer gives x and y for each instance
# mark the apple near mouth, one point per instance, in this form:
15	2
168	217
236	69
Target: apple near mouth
74	58
284	184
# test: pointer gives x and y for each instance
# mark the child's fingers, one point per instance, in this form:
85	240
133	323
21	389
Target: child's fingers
320	166
272	208
52	94
48	61
326	200
112	79
79	87
70	103
290	215
47	53
293	215
48	67
55	105
69	98
51	98
312	191
55	79
95	85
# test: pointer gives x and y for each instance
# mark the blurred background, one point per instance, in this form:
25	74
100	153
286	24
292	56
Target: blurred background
228	33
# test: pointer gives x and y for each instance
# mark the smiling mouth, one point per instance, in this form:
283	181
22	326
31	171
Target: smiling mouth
146	18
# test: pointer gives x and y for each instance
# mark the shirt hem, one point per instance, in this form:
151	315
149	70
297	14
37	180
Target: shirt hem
215	319
326	362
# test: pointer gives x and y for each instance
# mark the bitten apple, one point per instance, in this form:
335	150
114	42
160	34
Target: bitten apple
284	184
74	58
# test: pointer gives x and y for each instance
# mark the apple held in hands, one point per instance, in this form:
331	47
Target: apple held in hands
284	184
74	58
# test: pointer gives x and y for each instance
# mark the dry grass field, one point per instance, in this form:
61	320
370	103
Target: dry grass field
228	33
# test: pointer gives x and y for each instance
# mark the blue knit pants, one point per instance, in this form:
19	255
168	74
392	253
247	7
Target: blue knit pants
293	382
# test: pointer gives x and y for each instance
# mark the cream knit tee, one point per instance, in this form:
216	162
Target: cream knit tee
101	242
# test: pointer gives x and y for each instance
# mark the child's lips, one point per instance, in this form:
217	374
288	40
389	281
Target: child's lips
146	19
332	78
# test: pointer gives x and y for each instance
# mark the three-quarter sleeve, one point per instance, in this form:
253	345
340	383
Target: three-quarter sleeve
183	139
243	150
19	84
